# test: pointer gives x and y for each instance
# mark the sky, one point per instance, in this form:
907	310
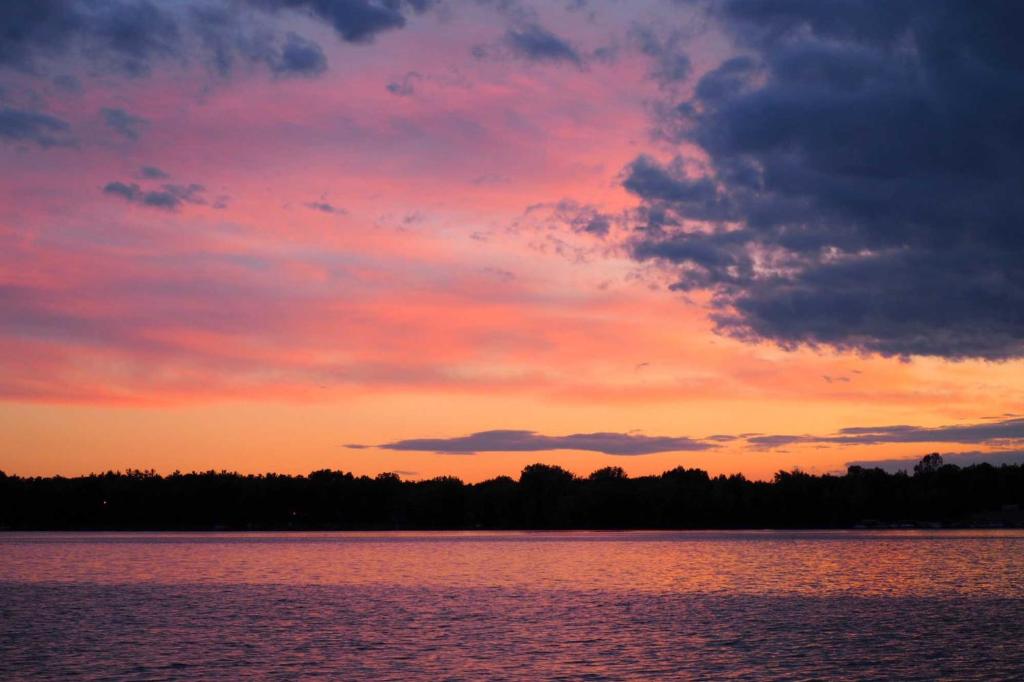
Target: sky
457	237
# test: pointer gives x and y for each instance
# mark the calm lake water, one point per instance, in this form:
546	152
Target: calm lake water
399	606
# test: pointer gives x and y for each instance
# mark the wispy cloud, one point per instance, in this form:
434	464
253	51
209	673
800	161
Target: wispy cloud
168	197
325	207
123	123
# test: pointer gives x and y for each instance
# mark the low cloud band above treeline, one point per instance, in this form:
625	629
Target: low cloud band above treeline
530	441
993	433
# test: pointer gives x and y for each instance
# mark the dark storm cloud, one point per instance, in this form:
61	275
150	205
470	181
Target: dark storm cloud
126	35
698	198
863	192
355	21
535	43
530	441
130	36
299	57
168	197
229	37
988	433
42	129
32	24
123	123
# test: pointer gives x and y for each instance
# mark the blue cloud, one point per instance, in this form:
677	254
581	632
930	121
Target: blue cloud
530	441
123	123
1003	431
168	197
19	125
864	193
536	43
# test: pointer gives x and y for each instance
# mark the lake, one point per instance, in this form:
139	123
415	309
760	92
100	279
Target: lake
398	606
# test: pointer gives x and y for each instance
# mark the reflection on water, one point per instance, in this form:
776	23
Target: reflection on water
854	605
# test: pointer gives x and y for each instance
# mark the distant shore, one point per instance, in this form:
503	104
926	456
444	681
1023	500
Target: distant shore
544	497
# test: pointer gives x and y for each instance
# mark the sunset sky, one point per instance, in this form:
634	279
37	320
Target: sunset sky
461	236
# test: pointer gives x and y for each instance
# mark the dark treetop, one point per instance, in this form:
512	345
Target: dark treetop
543	497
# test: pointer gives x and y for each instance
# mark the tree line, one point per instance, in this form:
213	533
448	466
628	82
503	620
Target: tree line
543	497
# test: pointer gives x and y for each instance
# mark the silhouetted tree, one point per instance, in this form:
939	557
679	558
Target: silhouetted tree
929	464
544	497
544	491
608	474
